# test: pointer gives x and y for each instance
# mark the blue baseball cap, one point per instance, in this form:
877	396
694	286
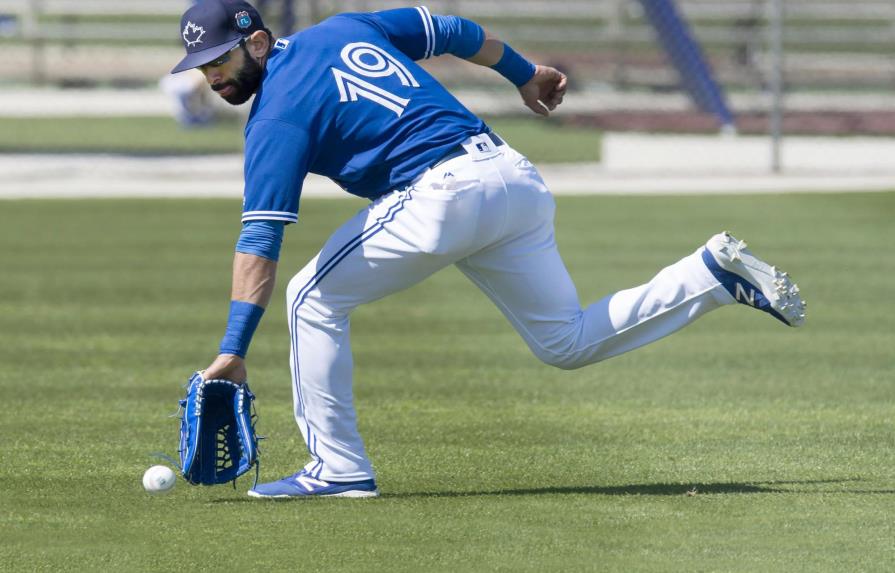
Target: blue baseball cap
211	28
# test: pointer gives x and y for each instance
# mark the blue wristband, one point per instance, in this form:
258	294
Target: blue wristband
241	325
514	67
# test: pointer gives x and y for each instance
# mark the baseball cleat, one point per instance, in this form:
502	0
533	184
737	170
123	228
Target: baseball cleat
302	484
752	281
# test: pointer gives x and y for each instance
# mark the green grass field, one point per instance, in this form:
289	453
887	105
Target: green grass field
533	136
488	460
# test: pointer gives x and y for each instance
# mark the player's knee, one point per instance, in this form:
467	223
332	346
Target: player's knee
300	302
562	359
566	363
305	302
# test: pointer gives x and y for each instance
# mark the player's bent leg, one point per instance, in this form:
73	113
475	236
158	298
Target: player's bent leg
544	308
358	264
391	245
524	275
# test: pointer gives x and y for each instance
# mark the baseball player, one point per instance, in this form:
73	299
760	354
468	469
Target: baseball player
346	99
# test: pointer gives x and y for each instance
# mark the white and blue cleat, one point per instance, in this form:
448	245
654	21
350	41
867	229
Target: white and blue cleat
303	485
752	281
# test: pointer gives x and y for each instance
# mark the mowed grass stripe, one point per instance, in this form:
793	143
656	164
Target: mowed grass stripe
488	460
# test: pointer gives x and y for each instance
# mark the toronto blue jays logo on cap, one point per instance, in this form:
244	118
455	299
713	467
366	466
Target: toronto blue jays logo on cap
210	28
192	34
243	20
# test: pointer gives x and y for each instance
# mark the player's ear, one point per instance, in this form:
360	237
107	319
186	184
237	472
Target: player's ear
258	44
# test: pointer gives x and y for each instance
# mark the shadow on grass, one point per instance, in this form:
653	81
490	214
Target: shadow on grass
666	489
653	489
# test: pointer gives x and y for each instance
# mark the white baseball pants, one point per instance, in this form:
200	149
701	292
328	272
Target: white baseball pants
490	214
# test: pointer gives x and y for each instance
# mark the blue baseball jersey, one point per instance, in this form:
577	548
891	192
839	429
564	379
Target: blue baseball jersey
345	99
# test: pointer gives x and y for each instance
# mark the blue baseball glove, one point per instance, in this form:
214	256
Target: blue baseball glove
217	431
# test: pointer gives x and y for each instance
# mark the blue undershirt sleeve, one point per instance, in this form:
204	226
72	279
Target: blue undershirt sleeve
261	238
458	36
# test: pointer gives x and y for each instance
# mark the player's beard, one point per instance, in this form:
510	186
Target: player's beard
246	82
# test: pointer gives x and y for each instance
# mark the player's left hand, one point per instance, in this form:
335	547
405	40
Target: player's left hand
544	91
226	367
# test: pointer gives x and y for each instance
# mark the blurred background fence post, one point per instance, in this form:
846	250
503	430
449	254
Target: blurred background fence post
615	33
32	35
776	20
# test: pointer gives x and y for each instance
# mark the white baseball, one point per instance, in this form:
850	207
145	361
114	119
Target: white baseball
158	480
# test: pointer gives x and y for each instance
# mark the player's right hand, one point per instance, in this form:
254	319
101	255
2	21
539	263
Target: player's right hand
544	91
226	367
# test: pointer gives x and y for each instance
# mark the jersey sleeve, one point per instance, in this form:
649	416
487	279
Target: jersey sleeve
420	35
408	29
276	163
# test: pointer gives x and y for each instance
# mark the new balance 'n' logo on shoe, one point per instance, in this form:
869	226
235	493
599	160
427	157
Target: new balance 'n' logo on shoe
752	281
